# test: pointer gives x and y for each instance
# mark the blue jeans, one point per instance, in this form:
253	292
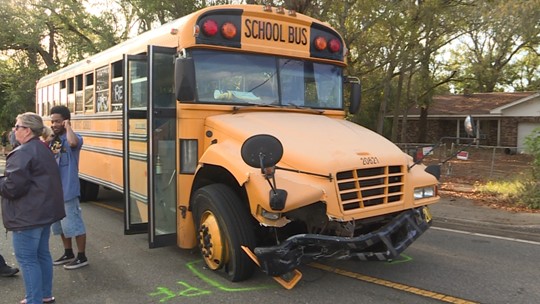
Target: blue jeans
32	252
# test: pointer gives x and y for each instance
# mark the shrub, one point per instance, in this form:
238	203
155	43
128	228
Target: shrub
532	146
531	188
530	195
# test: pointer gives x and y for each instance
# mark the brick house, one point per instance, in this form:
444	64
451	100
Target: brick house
503	119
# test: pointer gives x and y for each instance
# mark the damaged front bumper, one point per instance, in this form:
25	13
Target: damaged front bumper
383	244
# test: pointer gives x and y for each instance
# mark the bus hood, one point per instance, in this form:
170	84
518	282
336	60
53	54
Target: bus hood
312	142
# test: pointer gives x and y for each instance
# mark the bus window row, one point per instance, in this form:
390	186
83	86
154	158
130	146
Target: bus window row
97	91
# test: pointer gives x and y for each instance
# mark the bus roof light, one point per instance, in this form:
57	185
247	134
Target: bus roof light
210	27
267	8
228	30
291	13
320	43
334	45
280	10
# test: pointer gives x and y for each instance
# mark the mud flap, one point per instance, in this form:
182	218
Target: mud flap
288	280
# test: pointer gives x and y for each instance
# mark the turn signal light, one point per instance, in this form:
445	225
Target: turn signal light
320	43
228	30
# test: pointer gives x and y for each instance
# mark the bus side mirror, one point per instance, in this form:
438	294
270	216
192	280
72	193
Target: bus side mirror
265	151
262	151
184	79
356	93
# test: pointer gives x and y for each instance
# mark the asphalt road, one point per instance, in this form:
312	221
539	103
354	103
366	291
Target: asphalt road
447	264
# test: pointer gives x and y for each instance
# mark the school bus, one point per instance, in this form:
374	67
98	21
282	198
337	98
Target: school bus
225	129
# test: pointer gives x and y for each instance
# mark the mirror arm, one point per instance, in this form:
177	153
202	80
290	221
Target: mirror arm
473	140
418	161
261	161
329	176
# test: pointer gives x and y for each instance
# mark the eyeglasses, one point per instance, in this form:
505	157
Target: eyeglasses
17	127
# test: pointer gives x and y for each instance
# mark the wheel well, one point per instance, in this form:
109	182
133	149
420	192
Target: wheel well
210	174
88	190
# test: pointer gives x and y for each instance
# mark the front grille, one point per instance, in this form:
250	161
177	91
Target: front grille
363	188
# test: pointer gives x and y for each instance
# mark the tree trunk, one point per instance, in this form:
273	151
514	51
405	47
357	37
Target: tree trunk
422	124
387	89
397	108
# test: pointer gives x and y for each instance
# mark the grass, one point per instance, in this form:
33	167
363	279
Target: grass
524	192
504	189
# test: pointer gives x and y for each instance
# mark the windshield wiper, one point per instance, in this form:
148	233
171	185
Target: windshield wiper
256	105
275	106
295	106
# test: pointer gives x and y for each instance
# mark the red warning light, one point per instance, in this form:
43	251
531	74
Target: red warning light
210	27
334	45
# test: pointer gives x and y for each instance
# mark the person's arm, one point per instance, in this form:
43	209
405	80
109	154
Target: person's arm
72	138
17	179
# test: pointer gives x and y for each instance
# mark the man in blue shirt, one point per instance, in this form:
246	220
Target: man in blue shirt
67	146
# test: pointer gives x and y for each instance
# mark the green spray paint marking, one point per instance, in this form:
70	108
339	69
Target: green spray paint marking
168	294
192	291
219	286
404	259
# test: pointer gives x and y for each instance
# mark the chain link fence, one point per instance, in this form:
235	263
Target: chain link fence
472	162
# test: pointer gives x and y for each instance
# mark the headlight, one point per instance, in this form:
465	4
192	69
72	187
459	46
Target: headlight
424	192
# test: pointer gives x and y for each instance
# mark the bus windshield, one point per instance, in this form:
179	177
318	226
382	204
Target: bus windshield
224	77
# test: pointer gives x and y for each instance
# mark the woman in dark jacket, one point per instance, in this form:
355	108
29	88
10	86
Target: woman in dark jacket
32	199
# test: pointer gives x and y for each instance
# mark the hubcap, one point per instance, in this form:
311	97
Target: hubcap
210	242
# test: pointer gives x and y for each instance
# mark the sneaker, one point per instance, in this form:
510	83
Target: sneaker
77	263
8	271
64	259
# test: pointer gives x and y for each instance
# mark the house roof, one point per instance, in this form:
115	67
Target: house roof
477	104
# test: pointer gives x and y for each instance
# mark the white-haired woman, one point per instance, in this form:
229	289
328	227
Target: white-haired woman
32	200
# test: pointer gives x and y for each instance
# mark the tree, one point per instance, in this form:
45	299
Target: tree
395	47
148	14
524	73
395	43
16	72
500	35
39	37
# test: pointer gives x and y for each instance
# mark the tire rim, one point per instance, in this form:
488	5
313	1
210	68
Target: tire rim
210	241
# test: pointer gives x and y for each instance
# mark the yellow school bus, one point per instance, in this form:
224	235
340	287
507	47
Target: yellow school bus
225	129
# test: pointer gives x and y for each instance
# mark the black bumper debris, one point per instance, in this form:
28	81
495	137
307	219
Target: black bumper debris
383	244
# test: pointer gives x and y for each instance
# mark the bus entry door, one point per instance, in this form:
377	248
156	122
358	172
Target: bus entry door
149	145
162	147
135	143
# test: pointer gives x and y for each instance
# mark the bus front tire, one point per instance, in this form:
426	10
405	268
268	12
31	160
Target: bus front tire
223	226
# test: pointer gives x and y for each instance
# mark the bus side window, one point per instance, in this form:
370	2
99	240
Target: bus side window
71	94
78	93
164	82
117	86
89	92
102	89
